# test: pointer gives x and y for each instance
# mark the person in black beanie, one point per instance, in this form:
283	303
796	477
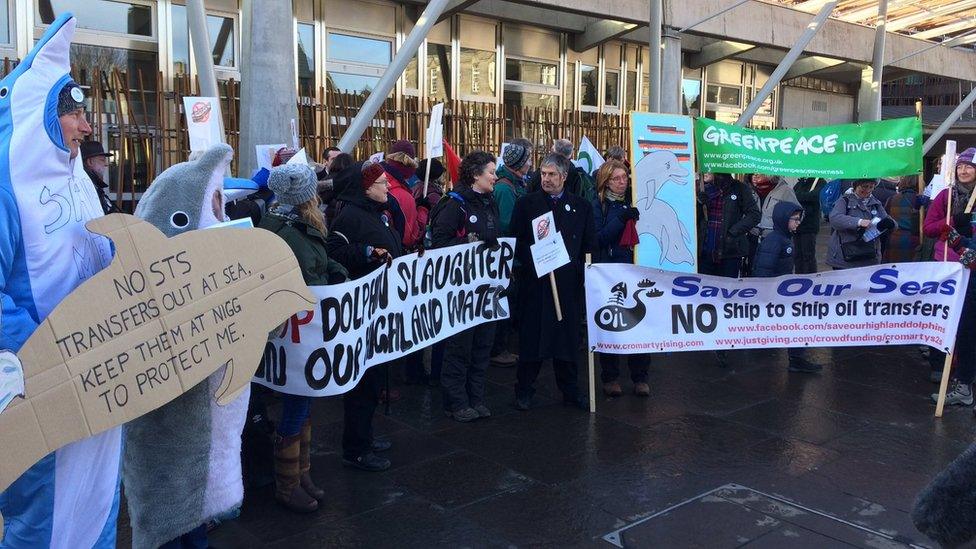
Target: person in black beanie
363	238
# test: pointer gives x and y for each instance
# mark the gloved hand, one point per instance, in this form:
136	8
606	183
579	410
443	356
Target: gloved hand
490	244
922	201
961	221
380	255
886	224
425	202
473	237
630	213
968	258
421	250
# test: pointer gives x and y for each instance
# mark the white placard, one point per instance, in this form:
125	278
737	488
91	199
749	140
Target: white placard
266	154
300	158
202	122
435	132
544	227
549	254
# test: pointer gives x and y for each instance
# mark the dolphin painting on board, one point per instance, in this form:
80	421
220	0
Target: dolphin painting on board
658	218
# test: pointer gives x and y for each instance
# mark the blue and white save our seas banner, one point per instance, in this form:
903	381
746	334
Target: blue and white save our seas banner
411	304
632	309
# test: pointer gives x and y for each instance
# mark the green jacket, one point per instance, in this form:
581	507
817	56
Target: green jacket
508	189
308	245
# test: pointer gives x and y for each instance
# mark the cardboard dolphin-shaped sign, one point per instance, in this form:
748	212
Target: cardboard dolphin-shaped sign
166	314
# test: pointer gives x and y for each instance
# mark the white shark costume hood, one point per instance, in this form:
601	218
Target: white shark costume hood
69	498
182	464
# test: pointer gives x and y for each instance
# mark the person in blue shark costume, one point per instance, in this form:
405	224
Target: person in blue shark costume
71	497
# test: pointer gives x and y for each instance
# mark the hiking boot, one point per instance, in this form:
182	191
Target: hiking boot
367	462
935	376
523	402
381	445
642	389
612	389
483	411
959	394
579	401
288	490
804	366
305	464
504	359
464	415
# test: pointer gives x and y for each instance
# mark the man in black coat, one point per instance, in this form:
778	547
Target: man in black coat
541	336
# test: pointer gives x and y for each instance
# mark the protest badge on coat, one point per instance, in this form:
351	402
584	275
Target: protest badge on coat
161	318
662	155
266	154
202	122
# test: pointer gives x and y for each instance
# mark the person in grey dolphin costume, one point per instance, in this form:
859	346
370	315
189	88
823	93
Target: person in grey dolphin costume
181	465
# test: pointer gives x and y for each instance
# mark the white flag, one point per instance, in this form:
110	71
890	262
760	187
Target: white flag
587	157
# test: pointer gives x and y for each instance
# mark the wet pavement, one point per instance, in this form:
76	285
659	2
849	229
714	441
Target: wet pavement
745	455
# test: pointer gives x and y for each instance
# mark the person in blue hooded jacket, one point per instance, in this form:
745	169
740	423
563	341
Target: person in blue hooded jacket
774	257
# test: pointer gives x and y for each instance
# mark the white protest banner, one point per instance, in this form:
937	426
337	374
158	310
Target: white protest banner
413	303
202	122
633	309
435	132
588	157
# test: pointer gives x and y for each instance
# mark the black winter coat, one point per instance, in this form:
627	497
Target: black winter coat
361	225
609	228
453	220
774	257
540	335
739	214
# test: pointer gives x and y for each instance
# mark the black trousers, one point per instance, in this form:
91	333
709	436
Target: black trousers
465	367
610	367
805	253
565	372
359	404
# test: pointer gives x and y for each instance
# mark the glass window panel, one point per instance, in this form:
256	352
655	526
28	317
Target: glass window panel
477	72
351	83
439	72
724	95
631	90
356	48
571	86
691	94
612	90
589	85
762	76
306	59
725	72
181	41
531	72
517	125
221	31
411	74
94	63
101	15
4	22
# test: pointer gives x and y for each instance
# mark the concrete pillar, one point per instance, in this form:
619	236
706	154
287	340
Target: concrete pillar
671	72
869	94
654	61
269	93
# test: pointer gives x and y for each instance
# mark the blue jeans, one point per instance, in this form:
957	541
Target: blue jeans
294	411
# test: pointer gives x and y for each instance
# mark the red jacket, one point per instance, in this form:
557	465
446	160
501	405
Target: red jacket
935	219
415	219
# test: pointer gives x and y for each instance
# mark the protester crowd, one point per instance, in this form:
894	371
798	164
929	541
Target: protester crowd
345	218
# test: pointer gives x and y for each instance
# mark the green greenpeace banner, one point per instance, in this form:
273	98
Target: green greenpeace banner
848	151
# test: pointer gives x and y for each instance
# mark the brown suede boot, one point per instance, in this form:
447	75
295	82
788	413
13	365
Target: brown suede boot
288	489
305	464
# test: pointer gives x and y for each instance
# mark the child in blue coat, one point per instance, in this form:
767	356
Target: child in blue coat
774	257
